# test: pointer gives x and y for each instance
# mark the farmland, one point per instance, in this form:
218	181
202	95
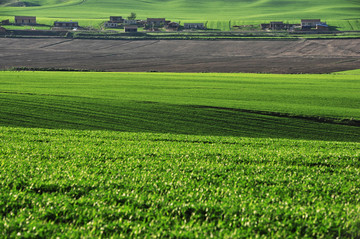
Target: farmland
101	183
350	72
218	15
87	154
189	10
251	105
260	56
104	140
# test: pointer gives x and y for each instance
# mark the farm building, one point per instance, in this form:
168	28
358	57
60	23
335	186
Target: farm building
117	19
173	25
66	24
111	24
322	27
130	28
141	22
129	22
5	22
310	22
156	22
278	26
194	26
23	20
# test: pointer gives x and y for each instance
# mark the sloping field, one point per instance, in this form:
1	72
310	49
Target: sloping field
191	10
181	166
277	106
221	15
351	72
68	183
310	56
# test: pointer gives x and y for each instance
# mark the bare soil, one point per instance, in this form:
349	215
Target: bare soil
303	56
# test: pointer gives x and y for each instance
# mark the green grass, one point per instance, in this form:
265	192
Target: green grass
71	184
340	13
200	9
252	105
199	155
351	72
13	27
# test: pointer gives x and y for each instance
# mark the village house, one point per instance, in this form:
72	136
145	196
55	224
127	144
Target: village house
111	24
322	27
5	22
194	26
278	26
310	22
156	22
141	22
23	20
130	28
117	19
173	26
129	22
69	25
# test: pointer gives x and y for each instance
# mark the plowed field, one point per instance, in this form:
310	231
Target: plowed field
308	56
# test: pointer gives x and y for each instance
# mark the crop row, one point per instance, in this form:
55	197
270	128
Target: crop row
71	183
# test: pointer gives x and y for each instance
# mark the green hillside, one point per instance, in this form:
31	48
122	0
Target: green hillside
254	105
198	155
350	72
187	9
92	184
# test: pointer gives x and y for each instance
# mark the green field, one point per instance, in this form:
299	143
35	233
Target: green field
351	72
69	183
204	104
215	14
154	155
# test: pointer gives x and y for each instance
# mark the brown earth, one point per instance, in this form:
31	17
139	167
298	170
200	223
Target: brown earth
303	56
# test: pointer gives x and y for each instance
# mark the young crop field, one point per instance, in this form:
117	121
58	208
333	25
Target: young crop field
253	105
69	183
351	72
343	14
154	155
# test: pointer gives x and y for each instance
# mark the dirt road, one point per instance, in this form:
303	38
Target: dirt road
309	56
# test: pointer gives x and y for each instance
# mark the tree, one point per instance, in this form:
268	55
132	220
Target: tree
132	16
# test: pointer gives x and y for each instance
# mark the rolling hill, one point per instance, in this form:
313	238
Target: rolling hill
154	155
186	9
180	155
321	107
157	155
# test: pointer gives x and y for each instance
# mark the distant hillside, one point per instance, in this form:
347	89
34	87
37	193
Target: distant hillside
186	9
16	3
30	3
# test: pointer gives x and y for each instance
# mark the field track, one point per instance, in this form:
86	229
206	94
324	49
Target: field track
309	56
